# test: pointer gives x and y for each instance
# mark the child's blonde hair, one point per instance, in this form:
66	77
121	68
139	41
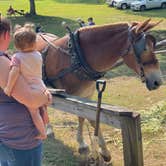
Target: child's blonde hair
24	36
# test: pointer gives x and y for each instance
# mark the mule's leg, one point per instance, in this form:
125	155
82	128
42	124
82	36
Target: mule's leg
104	151
83	147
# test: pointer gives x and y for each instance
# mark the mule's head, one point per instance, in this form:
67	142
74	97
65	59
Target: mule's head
141	56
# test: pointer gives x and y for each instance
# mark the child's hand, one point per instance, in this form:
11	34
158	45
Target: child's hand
48	94
7	91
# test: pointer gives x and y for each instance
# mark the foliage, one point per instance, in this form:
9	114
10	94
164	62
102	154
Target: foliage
154	119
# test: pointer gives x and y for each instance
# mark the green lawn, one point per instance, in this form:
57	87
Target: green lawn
123	91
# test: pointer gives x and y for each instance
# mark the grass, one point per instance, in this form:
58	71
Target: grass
125	91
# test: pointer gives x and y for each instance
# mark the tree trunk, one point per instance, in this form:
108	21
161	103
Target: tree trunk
32	7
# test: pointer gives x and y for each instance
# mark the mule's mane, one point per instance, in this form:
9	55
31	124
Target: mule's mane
99	33
112	27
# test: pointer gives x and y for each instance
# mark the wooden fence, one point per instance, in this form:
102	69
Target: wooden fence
118	117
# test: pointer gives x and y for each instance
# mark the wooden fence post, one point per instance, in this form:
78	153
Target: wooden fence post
132	141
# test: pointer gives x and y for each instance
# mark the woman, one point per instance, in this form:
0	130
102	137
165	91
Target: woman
18	146
27	61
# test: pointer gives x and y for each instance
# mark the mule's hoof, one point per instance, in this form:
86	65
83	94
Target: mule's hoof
84	150
106	158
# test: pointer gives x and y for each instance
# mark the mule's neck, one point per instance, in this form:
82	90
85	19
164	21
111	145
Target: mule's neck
104	45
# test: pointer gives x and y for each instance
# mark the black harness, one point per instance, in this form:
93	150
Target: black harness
79	65
85	71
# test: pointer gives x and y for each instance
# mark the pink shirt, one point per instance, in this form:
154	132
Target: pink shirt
30	64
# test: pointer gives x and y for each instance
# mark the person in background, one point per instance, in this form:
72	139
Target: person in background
90	21
18	143
38	29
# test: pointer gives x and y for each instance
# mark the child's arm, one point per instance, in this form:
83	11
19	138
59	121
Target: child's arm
12	78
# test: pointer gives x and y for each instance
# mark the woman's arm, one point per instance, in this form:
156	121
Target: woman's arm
12	78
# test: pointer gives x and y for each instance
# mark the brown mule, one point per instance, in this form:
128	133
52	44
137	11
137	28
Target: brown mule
75	61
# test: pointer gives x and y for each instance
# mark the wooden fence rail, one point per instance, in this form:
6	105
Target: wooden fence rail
118	117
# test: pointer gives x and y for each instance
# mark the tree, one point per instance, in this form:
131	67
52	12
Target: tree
32	7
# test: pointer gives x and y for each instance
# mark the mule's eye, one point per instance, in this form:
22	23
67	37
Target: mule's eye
146	48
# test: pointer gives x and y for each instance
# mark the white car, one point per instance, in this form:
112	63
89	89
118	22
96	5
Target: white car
148	4
110	2
122	4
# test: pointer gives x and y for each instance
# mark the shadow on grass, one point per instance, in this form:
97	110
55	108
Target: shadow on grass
58	154
148	13
49	23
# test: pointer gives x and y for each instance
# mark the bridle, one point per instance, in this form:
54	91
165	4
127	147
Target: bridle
138	43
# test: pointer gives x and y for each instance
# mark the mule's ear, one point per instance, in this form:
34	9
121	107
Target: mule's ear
151	25
139	28
133	24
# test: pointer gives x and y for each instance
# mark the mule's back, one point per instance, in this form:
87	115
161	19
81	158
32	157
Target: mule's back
41	43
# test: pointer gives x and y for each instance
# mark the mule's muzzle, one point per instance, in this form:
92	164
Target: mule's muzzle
153	82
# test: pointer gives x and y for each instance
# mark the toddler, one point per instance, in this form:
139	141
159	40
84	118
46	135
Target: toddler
28	62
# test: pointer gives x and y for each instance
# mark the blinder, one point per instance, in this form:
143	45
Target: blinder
139	46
